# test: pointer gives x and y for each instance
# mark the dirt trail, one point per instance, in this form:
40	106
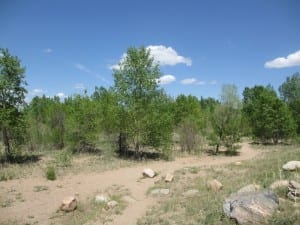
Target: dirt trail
41	205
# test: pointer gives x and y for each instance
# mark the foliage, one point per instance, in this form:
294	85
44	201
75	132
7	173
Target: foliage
12	100
268	116
82	123
50	173
226	120
189	134
143	118
290	93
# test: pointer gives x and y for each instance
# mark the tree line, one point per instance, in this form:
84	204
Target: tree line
136	114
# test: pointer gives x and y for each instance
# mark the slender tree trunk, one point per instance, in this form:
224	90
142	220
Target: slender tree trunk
6	141
217	149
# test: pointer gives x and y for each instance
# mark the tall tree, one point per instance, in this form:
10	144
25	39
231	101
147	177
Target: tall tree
12	98
226	119
268	116
136	91
290	93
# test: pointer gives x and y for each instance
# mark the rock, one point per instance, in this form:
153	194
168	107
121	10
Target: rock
191	193
148	173
160	192
279	184
291	165
214	185
169	177
251	207
112	204
101	199
249	188
68	204
294	190
238	163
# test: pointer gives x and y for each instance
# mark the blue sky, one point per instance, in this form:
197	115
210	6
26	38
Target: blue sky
69	45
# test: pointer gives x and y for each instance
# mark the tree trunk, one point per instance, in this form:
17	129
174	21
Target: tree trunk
217	149
6	141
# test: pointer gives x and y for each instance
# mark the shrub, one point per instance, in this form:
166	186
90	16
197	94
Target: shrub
50	173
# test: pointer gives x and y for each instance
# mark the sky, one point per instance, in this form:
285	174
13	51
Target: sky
69	46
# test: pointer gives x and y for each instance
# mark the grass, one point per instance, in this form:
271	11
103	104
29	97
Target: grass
206	208
50	173
89	211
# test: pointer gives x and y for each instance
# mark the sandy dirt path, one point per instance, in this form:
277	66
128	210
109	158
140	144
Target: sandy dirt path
41	205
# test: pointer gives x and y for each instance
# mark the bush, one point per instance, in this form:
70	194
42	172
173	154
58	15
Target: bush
50	173
64	158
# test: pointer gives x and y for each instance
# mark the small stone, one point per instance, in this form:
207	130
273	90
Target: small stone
101	199
148	173
238	163
291	165
279	184
214	185
69	204
112	204
169	177
191	193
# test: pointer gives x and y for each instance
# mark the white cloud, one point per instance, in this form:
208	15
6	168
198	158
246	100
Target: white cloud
48	50
166	79
193	81
38	91
281	62
162	55
189	81
79	86
61	95
167	56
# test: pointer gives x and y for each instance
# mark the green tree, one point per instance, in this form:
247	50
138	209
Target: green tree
142	112
226	120
268	116
290	93
12	100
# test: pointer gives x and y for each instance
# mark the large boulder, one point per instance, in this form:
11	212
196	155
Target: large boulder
291	165
148	173
251	207
68	204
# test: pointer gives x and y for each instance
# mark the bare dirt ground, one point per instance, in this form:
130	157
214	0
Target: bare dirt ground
40	205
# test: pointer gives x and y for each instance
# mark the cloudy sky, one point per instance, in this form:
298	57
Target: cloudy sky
69	46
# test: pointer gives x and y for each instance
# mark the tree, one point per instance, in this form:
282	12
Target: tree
141	104
12	99
226	120
268	116
290	93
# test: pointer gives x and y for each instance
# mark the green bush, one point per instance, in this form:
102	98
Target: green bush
50	173
64	158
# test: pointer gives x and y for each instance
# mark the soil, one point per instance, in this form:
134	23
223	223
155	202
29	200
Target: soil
27	203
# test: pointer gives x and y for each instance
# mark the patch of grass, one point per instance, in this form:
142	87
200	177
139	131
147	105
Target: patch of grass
40	188
207	207
63	158
50	173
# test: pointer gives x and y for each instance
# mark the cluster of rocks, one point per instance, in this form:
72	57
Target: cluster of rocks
294	190
109	204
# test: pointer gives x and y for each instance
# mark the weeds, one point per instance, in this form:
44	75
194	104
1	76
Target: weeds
50	173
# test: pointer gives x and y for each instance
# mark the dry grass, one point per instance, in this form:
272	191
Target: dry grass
206	208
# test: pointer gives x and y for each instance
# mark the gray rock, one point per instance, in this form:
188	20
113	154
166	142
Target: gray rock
249	188
251	207
160	192
69	204
291	165
148	173
191	193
